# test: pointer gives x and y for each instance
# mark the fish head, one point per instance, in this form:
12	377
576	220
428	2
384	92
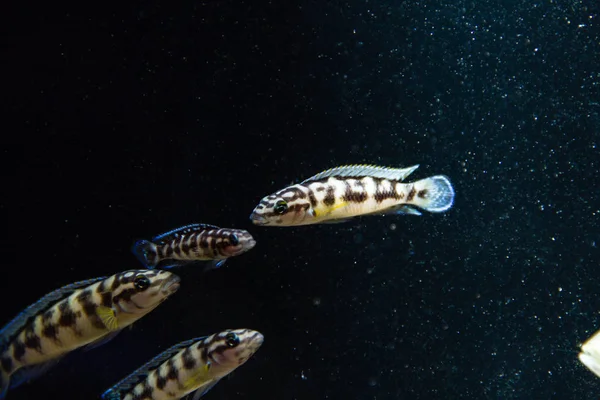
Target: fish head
233	347
140	291
288	207
234	242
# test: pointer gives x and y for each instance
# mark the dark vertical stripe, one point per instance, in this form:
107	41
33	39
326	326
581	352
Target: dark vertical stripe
353	196
384	193
185	247
172	372
67	316
161	381
7	363
18	349
411	194
312	198
188	359
329	199
175	246
48	314
50	332
145	394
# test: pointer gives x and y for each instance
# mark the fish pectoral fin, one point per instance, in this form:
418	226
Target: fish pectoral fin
204	389
108	317
214	264
198	378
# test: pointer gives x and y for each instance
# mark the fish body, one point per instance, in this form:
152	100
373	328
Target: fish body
590	353
193	243
86	313
193	366
341	193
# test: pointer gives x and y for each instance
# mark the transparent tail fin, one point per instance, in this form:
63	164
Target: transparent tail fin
434	194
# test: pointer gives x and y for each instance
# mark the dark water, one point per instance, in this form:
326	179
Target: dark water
126	121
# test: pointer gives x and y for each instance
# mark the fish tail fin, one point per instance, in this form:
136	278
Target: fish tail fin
4	382
146	252
433	194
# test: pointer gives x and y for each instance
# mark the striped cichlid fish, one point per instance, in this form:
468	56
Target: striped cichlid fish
193	243
590	353
87	313
193	366
338	194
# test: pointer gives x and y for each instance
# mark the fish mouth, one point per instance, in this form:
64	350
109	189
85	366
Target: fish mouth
171	285
258	219
258	340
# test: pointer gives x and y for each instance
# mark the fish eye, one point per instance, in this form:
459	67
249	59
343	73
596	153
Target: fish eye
141	283
280	207
234	240
232	340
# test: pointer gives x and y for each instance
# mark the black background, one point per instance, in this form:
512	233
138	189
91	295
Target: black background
122	122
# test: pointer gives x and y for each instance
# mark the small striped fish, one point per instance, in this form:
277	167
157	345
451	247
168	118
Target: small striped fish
590	353
193	243
193	366
87	313
341	193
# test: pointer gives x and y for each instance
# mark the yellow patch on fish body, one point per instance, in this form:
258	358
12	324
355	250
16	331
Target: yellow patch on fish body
198	378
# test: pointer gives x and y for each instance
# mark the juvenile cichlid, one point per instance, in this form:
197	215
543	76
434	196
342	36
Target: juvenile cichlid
193	366
338	194
87	313
191	244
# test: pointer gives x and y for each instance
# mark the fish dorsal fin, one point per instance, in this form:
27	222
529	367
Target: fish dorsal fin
360	171
184	230
136	376
14	326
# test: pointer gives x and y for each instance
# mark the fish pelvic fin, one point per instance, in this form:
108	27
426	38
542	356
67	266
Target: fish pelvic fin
146	252
434	194
4	383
